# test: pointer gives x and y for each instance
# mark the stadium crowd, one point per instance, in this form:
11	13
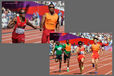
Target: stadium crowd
104	38
8	15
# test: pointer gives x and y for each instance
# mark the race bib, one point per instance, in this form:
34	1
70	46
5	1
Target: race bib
60	48
20	31
81	52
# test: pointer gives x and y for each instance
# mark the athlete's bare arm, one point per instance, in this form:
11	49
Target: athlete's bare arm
57	25
85	51
12	23
42	22
77	50
28	23
100	50
90	49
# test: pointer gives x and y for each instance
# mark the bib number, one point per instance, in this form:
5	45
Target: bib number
81	52
20	31
60	48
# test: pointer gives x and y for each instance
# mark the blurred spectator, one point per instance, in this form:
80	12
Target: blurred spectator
60	17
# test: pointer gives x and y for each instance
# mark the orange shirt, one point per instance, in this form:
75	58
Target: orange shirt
95	47
68	47
51	21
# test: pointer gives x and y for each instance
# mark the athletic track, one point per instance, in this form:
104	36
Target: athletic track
104	65
31	35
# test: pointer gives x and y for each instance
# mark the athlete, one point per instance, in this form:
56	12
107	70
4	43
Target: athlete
59	50
49	23
95	48
81	52
67	53
19	23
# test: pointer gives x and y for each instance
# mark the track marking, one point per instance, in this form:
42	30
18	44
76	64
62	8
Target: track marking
108	72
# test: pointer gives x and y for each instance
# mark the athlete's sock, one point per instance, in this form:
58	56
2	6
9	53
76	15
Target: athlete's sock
93	65
67	69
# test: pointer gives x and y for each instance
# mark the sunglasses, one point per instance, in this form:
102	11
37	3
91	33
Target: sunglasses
51	7
22	12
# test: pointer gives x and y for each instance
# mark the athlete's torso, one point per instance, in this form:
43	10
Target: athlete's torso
51	21
95	48
81	50
58	49
68	48
19	27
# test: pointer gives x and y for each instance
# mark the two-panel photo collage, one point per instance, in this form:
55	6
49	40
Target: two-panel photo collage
43	22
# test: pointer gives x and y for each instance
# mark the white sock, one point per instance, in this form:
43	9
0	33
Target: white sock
67	67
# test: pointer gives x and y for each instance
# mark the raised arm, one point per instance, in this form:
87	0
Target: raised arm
100	50
12	23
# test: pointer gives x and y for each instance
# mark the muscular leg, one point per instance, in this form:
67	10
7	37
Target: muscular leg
68	62
60	61
96	62
80	67
82	62
64	58
93	62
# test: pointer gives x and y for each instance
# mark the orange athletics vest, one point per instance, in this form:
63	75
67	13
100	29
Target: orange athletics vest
96	47
68	47
51	21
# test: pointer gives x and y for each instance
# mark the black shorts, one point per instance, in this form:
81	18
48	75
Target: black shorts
65	56
59	57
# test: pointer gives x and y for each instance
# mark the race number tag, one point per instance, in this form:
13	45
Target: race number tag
60	48
81	52
20	31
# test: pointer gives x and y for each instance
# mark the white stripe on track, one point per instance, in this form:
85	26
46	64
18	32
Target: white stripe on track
108	72
98	67
73	65
25	37
27	33
87	66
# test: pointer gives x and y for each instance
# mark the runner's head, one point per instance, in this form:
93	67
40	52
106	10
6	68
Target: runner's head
67	41
51	8
80	43
95	40
22	13
57	42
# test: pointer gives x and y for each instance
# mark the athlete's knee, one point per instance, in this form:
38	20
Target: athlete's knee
82	60
93	61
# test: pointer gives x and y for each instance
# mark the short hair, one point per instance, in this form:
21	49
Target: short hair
95	38
80	42
51	4
67	40
21	10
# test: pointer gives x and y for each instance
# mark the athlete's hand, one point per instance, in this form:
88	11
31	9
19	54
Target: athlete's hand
40	29
35	27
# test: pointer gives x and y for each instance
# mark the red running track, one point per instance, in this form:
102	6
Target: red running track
104	65
31	35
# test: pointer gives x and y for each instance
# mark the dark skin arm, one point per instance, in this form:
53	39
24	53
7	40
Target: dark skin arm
77	51
28	23
12	23
42	22
57	25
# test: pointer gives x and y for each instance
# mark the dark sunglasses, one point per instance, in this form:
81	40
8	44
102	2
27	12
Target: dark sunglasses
22	12
51	7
